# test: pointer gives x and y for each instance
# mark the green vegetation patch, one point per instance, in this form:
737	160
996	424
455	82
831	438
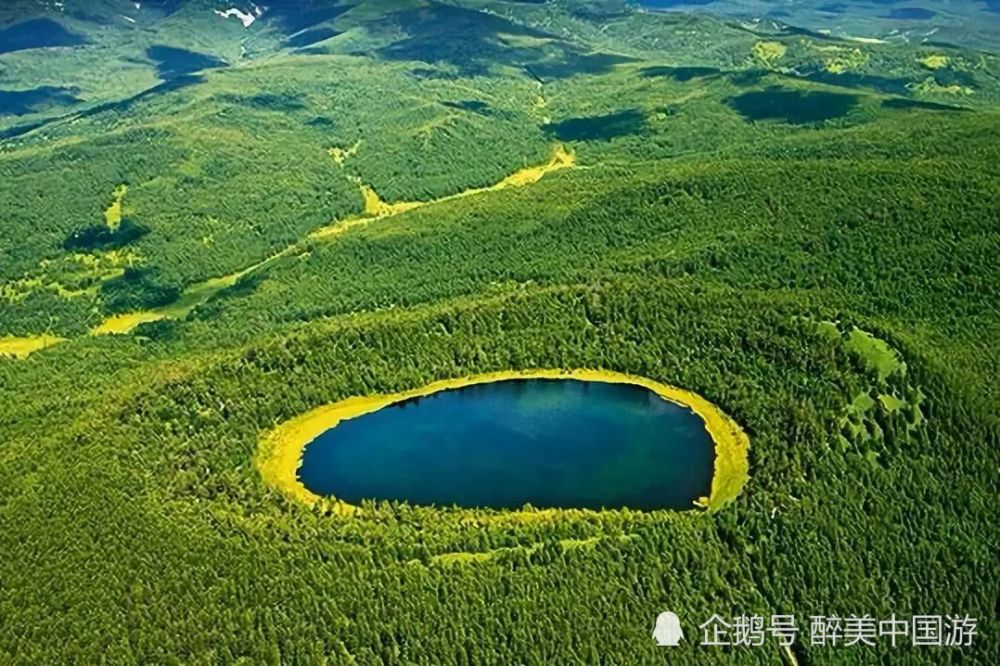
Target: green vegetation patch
277	102
891	403
682	74
310	37
903	103
868	419
876	353
138	289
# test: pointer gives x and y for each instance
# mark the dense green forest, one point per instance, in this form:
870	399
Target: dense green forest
801	226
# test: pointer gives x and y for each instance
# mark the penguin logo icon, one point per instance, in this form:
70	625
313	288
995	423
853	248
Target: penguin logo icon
667	631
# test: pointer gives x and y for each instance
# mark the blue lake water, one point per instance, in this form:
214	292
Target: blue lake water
550	443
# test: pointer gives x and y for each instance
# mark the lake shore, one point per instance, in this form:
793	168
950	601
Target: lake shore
279	453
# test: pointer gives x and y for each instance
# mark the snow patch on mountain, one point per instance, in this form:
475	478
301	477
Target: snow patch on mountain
246	18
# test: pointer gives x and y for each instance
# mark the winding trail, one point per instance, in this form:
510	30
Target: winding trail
375	209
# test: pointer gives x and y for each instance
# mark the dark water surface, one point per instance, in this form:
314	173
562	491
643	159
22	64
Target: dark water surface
174	62
23	102
912	13
793	106
550	443
35	34
594	128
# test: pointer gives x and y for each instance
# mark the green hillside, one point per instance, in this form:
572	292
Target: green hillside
208	229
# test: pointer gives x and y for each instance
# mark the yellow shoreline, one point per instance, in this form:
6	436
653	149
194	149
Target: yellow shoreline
279	454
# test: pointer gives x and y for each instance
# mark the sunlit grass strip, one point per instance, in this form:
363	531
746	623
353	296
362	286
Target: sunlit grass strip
193	296
375	209
280	451
124	323
22	348
113	214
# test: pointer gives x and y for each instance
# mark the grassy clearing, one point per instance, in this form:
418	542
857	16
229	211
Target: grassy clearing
22	347
891	403
930	86
462	558
768	53
934	61
471	557
124	323
876	353
859	422
192	297
339	155
377	209
113	213
846	62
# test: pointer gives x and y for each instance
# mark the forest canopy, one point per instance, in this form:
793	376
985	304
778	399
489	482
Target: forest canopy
215	222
